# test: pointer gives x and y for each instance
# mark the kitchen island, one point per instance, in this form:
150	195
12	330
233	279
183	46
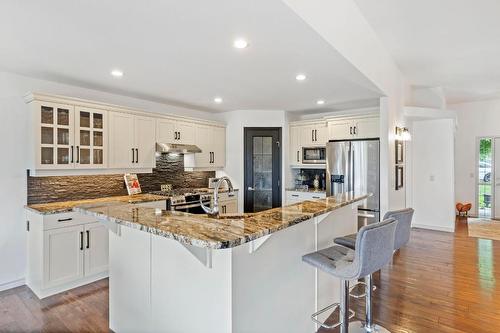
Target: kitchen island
178	272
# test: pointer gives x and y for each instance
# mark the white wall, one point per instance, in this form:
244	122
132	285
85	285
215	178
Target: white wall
14	153
236	122
475	119
433	174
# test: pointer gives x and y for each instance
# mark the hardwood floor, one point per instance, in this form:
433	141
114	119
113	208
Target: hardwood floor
440	282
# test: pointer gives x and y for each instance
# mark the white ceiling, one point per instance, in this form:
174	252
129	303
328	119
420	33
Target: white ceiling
179	52
454	44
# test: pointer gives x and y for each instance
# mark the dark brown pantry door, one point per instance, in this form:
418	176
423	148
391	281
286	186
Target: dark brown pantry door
262	168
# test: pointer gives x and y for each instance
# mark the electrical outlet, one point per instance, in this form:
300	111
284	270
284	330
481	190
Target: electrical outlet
166	187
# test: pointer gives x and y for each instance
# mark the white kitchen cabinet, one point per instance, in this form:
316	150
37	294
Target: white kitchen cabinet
293	197
131	141
172	131
96	249
295	146
145	142
65	251
228	204
91	138
313	135
69	137
63	255
212	142
354	128
53	124
219	147
185	132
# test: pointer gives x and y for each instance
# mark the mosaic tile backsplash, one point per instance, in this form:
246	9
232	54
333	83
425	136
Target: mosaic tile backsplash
169	170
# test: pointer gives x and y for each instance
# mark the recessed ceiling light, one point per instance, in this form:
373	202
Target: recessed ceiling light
117	73
240	43
320	102
300	77
218	100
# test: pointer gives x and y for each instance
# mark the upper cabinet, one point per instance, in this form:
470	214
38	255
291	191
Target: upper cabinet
305	134
131	141
314	135
354	128
212	142
69	137
174	131
91	138
73	136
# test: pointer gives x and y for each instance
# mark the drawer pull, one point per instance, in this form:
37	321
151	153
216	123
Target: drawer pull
316	198
65	220
295	195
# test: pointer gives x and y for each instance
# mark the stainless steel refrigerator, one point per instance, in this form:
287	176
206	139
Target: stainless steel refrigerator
354	165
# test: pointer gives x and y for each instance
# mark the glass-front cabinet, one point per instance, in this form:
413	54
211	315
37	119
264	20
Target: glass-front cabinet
70	137
55	129
90	138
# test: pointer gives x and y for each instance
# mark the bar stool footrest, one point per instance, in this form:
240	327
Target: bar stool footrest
363	295
333	306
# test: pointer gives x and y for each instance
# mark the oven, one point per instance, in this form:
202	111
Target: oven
313	155
190	204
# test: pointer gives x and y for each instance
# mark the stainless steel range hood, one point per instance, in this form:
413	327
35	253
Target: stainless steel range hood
175	148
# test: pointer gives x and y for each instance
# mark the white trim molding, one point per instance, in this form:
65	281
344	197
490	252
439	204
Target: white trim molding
12	284
433	227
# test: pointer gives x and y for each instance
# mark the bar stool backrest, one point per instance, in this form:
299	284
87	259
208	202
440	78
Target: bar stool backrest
404	217
374	246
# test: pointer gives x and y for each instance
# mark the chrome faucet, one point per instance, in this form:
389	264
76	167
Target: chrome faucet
214	211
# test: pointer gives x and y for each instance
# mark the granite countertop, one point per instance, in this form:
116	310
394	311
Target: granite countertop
216	233
67	206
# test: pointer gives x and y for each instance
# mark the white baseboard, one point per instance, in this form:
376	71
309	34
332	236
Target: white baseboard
12	284
433	227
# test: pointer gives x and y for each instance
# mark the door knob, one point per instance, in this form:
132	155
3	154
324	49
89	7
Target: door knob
249	188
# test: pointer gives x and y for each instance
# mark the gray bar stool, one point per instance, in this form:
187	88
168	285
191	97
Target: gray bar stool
374	249
402	236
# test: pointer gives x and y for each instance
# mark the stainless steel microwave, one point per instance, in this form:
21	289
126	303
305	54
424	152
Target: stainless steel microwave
314	155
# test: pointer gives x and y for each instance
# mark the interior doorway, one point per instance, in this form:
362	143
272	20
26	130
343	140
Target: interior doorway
262	168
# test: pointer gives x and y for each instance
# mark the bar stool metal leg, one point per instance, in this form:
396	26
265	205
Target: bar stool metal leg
344	306
368	326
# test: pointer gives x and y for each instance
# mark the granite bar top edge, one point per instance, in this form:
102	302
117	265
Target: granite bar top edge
220	223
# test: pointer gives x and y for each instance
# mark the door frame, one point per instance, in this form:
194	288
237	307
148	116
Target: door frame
277	166
476	172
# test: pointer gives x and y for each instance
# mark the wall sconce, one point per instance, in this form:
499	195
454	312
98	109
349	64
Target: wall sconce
403	134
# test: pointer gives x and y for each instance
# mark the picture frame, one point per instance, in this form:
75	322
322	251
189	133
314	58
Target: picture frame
399	177
399	152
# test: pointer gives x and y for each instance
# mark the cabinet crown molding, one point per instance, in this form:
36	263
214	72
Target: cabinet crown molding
44	97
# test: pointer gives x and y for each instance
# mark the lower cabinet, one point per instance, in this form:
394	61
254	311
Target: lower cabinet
65	251
293	197
228	204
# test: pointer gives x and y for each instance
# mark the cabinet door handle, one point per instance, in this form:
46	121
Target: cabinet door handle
133	156
179	135
213	157
88	239
136	155
64	220
298	157
72	154
77	154
350	130
81	240
354	129
175	135
316	135
312	134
